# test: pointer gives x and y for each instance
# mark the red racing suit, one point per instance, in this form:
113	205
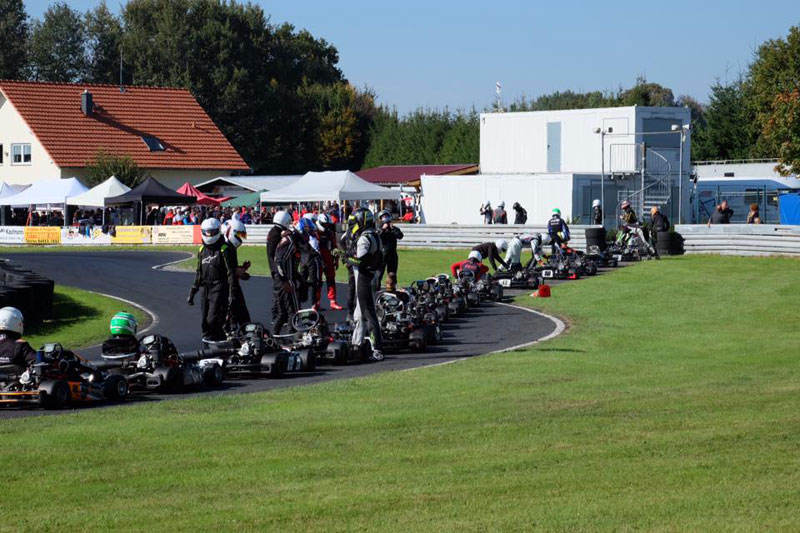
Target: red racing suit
478	268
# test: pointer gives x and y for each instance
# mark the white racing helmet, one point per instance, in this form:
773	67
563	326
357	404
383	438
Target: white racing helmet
476	255
282	219
210	230
501	244
501	205
596	203
324	221
11	320
235	232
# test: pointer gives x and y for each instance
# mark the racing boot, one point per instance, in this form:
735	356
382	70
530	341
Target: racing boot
332	298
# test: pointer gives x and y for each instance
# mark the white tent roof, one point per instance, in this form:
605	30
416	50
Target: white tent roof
10	190
96	196
331	185
55	191
254	183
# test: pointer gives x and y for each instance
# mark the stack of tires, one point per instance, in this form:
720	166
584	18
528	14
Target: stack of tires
596	237
27	291
669	243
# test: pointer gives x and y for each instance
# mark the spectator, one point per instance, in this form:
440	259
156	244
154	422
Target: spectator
168	218
521	216
152	217
500	216
486	212
721	215
246	217
658	223
597	213
753	217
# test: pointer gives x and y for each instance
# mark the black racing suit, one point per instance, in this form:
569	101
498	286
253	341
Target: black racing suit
15	355
366	260
287	261
597	216
489	251
558	231
273	238
311	269
521	215
389	237
215	274
239	313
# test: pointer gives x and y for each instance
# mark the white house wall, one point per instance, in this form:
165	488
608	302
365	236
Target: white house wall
457	199
14	130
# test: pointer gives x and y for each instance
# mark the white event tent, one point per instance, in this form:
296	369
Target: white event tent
46	192
11	190
95	197
339	185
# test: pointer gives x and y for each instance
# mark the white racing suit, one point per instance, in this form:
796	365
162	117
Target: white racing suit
515	247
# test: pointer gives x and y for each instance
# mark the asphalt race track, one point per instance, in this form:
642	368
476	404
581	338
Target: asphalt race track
130	275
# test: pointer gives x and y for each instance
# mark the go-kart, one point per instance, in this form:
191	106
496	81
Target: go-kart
557	265
630	245
465	286
456	302
397	327
601	257
252	350
310	334
154	364
426	313
58	378
518	277
341	349
578	261
489	289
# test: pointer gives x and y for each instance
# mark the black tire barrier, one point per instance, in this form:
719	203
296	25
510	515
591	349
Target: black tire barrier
29	292
669	243
596	237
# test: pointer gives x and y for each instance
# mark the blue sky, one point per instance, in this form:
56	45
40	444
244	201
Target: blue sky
451	53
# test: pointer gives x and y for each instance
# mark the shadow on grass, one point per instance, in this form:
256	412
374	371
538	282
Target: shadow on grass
67	311
570	350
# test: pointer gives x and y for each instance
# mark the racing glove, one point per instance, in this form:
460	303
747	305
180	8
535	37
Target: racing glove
190	299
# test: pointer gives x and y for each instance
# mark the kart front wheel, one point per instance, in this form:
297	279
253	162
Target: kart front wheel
115	388
54	395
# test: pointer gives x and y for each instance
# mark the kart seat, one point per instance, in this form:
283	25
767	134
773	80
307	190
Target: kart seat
120	347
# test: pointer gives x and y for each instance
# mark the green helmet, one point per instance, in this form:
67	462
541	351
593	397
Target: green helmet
557	211
123	324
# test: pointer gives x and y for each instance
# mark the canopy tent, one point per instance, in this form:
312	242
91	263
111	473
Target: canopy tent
95	197
151	191
238	185
246	200
46	192
203	199
337	185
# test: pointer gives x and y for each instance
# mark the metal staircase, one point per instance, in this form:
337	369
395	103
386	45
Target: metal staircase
652	174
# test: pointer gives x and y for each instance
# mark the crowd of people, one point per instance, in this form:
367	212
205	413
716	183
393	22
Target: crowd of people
304	251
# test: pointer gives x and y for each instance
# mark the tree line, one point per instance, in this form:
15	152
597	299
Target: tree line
278	94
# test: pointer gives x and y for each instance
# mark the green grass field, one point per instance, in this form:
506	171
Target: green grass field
80	319
670	403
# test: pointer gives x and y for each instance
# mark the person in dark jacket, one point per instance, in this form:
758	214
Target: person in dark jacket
557	229
597	213
286	279
658	223
234	232
521	215
500	216
753	217
492	251
15	354
347	247
389	234
215	274
282	221
722	214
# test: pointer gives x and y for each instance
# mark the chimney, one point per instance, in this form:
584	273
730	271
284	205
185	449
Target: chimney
87	107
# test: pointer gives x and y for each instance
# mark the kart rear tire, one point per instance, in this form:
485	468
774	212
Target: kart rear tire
56	396
213	375
497	293
308	359
115	388
338	351
430	334
417	341
591	269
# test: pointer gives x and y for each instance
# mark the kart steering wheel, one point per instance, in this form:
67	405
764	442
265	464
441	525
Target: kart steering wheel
389	304
305	319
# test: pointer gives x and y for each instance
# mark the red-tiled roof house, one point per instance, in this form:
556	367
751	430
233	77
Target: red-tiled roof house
50	130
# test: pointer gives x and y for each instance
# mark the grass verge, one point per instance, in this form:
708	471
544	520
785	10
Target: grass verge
80	319
670	404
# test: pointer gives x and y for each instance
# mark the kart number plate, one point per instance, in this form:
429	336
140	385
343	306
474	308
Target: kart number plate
547	273
504	282
618	257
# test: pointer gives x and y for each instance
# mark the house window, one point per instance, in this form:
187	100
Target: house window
20	154
153	144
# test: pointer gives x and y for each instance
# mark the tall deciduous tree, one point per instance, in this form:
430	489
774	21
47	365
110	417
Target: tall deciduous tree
106	164
727	126
58	45
13	39
783	130
103	45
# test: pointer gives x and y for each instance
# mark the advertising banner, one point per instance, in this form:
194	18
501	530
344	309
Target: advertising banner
74	236
197	236
12	235
42	235
173	234
132	235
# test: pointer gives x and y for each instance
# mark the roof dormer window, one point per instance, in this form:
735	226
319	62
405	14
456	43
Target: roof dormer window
153	144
